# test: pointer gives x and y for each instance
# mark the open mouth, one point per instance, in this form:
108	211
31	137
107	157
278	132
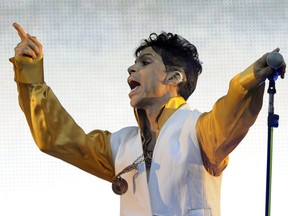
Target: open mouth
133	84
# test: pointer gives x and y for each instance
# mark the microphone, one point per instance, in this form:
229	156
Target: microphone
275	60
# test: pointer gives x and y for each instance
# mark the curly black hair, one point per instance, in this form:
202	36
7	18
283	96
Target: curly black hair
177	53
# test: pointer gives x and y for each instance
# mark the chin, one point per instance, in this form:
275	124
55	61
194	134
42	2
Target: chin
133	104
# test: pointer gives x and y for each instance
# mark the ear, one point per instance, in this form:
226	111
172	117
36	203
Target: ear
174	77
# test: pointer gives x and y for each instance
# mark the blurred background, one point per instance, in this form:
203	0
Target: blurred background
88	46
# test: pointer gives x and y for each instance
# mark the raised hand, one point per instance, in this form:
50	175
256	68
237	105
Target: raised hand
29	45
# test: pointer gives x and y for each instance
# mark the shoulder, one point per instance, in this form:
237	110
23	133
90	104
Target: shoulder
185	110
123	133
121	136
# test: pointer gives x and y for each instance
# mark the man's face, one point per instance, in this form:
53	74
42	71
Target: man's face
147	80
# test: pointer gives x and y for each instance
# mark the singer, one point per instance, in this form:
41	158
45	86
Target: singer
172	162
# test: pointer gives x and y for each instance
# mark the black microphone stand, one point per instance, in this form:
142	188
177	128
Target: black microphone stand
272	123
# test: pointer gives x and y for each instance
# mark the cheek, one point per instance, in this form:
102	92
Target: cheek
154	86
154	80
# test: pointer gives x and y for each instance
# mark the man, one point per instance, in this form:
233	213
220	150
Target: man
171	164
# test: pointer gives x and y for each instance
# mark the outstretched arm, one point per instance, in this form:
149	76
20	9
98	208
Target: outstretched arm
53	129
222	129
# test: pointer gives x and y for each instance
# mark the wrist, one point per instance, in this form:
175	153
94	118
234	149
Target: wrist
28	70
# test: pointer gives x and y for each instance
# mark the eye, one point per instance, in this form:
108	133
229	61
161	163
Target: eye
146	62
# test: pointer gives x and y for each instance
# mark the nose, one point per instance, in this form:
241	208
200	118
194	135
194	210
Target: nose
132	69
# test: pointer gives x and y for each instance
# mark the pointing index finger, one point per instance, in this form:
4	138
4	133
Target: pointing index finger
20	31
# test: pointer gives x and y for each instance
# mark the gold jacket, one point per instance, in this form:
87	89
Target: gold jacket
57	134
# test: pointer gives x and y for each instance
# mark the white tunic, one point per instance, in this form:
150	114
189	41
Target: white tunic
178	183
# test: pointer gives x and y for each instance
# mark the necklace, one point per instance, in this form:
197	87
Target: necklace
120	185
148	148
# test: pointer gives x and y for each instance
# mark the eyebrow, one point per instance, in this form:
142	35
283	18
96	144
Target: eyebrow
141	56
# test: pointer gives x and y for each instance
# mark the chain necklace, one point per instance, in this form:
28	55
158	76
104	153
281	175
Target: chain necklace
120	185
147	149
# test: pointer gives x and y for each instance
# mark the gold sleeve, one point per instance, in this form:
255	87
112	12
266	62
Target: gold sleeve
53	129
222	129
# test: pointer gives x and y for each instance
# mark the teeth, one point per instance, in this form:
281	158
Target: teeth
135	88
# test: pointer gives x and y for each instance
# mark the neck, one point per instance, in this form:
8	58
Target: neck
151	118
152	113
